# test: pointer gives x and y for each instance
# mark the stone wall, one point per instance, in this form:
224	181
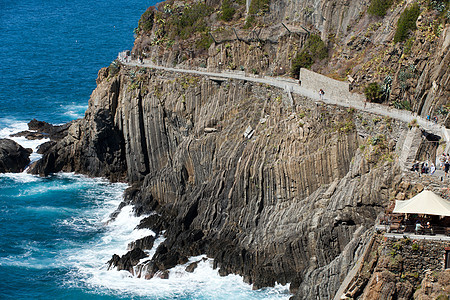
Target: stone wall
419	255
402	266
397	268
333	88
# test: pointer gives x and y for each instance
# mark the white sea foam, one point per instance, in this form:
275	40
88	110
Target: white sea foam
203	283
65	210
20	177
74	111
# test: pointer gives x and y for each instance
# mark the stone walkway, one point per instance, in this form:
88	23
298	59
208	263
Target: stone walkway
412	236
292	86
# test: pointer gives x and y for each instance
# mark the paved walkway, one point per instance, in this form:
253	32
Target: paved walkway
292	86
412	236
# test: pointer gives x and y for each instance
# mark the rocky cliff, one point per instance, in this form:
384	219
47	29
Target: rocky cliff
275	187
293	201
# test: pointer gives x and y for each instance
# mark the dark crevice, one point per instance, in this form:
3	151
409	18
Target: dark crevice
143	138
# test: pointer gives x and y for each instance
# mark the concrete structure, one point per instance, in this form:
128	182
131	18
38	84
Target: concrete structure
333	88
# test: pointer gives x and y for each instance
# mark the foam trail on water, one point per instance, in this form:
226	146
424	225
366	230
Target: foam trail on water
20	177
74	111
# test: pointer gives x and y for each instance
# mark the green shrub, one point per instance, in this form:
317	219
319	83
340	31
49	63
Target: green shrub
227	11
407	23
189	20
249	22
302	60
373	92
379	7
408	46
259	7
313	50
145	23
316	46
204	42
113	69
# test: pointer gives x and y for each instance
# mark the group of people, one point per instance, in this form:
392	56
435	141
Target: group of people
321	93
424	167
126	57
443	163
420	228
435	118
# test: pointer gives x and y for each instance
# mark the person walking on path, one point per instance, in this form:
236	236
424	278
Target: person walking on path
432	169
321	93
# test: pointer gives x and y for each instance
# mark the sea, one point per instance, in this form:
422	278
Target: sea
56	235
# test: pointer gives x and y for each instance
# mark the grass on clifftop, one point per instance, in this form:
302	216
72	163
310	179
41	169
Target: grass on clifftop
228	10
146	21
181	22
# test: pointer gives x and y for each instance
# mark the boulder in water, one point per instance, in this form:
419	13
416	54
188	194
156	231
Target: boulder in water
13	157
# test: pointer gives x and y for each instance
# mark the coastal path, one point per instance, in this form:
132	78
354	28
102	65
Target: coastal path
292	86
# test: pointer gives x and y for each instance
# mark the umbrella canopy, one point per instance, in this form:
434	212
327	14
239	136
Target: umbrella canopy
426	202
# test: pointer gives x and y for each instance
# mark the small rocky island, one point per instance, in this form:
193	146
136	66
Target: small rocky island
271	181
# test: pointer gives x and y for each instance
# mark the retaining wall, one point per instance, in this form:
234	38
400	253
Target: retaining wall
333	88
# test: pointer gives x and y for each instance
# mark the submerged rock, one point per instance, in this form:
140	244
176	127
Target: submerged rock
13	157
192	266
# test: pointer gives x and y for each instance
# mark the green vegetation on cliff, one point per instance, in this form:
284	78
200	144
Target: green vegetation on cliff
379	7
257	8
191	20
146	21
407	23
228	10
314	50
373	92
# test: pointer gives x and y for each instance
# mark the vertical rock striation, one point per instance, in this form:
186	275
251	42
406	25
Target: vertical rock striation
294	202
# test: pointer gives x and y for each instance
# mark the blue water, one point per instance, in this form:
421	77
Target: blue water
55	232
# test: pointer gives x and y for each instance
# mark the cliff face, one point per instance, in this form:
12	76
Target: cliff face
93	145
292	203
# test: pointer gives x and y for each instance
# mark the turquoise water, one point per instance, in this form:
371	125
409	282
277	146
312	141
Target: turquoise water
55	232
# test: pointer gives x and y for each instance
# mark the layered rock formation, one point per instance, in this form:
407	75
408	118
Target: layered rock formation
13	157
292	203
